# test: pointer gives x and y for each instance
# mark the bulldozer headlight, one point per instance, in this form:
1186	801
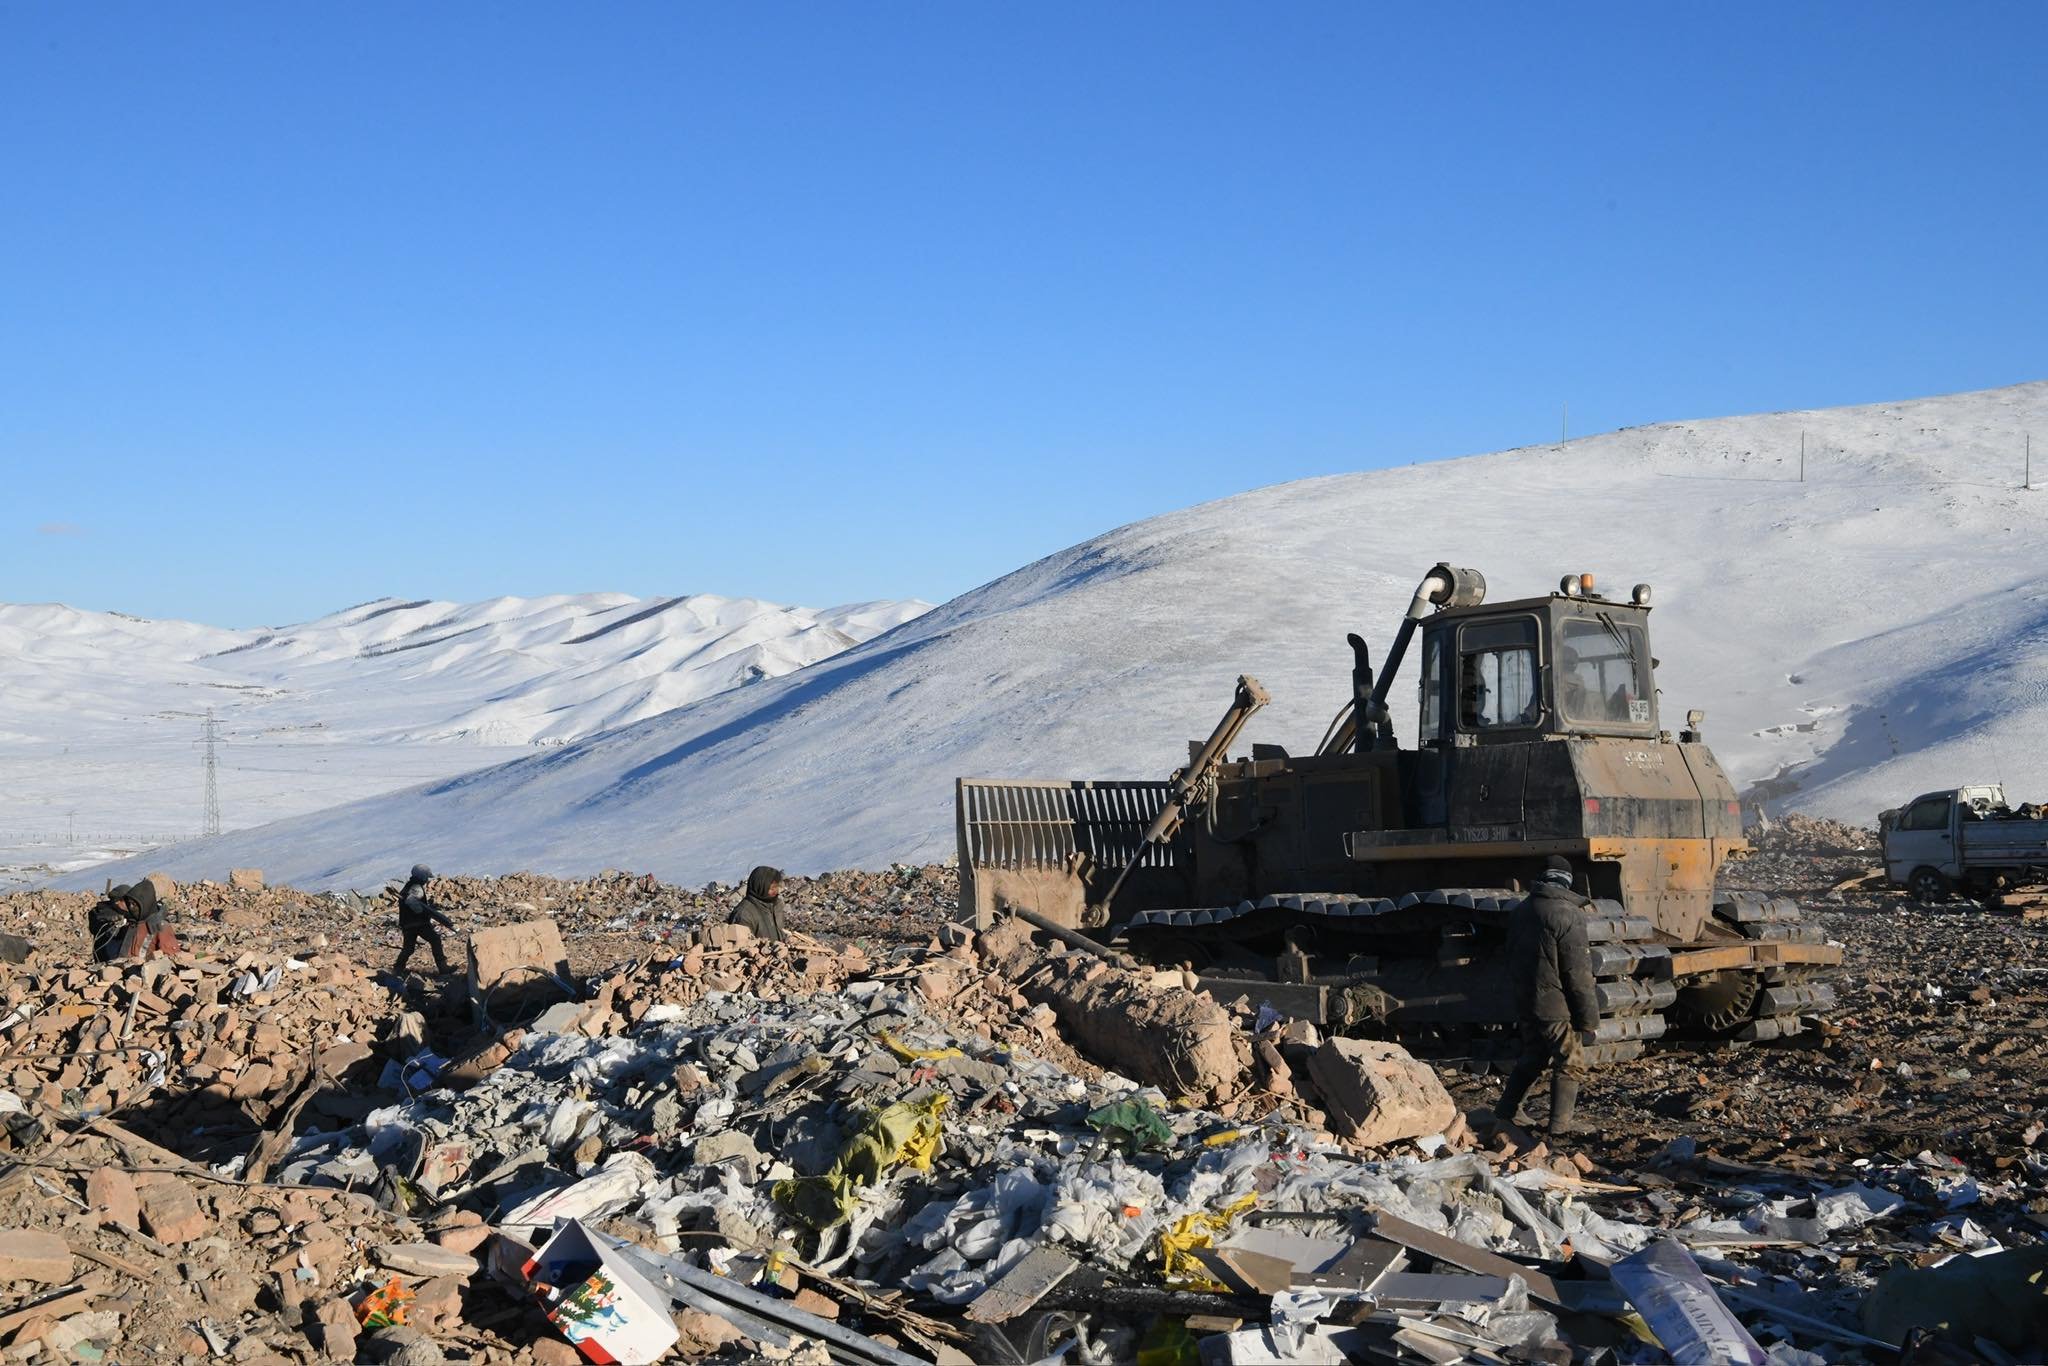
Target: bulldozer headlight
1640	595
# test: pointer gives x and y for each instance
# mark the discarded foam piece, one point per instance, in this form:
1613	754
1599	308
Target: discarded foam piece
1376	1094
620	1182
1403	1289
560	1018
423	1259
1305	1251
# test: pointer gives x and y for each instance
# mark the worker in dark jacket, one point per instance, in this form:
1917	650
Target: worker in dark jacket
128	922
108	921
147	933
761	909
416	917
1552	967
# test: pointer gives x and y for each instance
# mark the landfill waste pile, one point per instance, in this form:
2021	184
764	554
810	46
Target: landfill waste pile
602	918
628	1131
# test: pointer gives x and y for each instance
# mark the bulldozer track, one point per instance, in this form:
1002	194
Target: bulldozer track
1640	999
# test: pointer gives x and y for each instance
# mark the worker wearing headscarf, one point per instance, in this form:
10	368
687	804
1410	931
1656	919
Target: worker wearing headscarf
107	921
761	909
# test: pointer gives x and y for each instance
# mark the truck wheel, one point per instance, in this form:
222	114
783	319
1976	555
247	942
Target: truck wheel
1928	885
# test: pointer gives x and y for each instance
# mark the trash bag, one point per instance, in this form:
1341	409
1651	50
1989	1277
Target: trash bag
1177	1244
1131	1124
908	1132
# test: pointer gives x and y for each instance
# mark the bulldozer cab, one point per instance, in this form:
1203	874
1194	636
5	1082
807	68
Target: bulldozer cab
1516	672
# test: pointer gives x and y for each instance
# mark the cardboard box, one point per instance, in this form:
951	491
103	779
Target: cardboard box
599	1301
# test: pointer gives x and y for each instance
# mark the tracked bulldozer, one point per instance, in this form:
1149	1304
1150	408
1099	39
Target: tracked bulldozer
1366	886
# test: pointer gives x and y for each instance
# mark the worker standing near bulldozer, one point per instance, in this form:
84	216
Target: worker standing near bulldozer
1551	963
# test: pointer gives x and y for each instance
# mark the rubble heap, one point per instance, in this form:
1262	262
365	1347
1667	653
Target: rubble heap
215	1042
611	916
950	1146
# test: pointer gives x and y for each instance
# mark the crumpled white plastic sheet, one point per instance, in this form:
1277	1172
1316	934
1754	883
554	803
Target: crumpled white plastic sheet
1089	1200
623	1181
567	1121
1837	1211
1593	1232
1416	1191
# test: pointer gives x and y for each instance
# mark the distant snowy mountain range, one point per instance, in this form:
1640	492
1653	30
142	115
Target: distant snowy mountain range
100	712
1879	629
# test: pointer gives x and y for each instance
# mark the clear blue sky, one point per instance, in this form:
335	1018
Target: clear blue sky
301	305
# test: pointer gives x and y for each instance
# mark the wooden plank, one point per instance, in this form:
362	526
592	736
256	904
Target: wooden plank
1246	1272
1429	1347
1463	1255
1297	1000
1213	1323
1767	952
1022	1286
1787	951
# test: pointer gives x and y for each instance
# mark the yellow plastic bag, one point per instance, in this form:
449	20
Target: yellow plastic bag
907	1132
909	1054
1177	1244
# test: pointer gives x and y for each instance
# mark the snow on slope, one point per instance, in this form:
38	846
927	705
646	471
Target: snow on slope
99	712
1878	630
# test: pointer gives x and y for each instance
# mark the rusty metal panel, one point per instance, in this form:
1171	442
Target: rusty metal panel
1692	962
1643	789
1719	808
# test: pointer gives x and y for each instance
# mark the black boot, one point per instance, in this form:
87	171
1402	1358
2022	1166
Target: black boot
1564	1099
1508	1109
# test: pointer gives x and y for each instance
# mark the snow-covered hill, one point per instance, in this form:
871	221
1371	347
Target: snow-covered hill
1876	630
100	712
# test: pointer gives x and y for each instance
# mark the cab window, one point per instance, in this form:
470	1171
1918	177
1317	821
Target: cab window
1602	672
1929	813
1499	686
1432	688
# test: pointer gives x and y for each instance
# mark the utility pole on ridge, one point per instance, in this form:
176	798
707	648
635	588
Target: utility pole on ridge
210	822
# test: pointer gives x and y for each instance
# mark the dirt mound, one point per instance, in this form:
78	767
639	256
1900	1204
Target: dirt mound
1798	833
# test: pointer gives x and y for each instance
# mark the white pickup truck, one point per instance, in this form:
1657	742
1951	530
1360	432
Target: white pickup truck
1965	839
